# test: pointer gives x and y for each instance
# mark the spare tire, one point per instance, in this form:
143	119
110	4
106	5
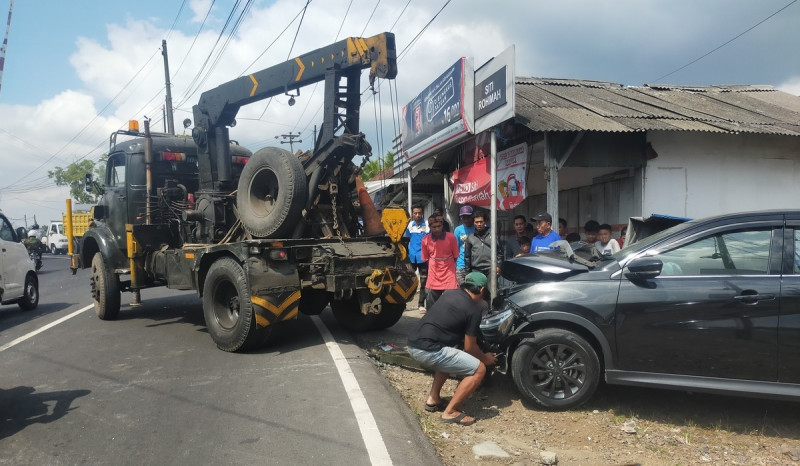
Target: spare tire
272	193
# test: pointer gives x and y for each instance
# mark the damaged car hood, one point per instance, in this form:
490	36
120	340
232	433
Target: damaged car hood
540	267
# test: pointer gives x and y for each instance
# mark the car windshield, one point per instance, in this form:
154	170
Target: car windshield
645	243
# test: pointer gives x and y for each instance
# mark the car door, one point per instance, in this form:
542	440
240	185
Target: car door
115	195
713	311
789	321
13	261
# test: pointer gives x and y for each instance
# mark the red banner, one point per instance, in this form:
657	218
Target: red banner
471	184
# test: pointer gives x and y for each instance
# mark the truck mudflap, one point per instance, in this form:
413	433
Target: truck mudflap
275	307
399	284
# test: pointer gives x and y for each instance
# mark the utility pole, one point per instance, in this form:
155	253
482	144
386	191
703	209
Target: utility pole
170	121
5	43
291	140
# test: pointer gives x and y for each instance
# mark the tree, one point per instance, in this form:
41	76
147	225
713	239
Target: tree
373	167
74	176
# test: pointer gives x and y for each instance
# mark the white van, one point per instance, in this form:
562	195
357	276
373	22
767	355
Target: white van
18	281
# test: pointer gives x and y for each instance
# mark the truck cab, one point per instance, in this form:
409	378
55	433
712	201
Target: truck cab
55	239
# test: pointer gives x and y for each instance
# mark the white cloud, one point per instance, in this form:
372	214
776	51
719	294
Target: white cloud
792	86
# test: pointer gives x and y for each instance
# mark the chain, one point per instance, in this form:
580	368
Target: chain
333	190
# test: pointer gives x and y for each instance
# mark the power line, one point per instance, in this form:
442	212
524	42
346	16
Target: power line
726	43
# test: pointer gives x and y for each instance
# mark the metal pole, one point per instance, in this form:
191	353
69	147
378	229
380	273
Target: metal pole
170	121
148	161
493	214
5	43
409	191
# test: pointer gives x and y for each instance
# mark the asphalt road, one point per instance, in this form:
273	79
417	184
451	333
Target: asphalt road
152	388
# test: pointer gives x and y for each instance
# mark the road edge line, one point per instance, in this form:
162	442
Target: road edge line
373	440
42	329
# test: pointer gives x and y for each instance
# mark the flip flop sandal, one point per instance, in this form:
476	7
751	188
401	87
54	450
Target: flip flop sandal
437	407
458	419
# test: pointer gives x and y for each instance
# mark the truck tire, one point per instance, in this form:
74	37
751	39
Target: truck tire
229	313
105	289
30	297
390	314
53	249
272	193
313	302
557	369
348	313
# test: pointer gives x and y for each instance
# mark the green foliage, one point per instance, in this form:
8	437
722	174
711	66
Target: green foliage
74	176
373	167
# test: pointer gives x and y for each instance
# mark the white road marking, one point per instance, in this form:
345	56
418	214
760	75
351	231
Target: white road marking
376	448
42	329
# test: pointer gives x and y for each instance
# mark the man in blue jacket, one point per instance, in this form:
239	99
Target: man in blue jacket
416	230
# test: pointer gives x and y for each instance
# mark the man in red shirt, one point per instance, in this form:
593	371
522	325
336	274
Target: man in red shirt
440	251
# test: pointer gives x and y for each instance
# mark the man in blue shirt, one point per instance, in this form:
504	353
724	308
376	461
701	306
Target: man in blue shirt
416	230
467	227
544	225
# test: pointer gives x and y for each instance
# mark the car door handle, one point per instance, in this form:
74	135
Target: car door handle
754	298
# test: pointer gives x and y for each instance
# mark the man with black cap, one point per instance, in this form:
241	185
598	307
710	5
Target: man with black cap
461	232
452	321
544	225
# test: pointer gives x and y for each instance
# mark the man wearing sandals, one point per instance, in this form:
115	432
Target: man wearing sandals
452	321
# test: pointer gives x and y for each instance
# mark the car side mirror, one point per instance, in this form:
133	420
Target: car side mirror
21	234
643	268
89	182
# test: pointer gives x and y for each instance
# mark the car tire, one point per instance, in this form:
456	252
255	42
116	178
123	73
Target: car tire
313	302
348	314
53	249
30	297
272	193
557	369
390	315
105	289
227	308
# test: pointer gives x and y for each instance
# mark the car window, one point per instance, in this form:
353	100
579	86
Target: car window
796	252
740	252
6	231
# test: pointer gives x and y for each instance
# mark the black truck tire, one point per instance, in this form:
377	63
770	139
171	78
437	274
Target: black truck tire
390	314
105	289
272	193
30	296
348	314
229	313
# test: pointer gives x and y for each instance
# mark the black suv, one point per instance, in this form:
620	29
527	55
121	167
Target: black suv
710	305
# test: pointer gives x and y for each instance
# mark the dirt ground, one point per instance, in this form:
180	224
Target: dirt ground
618	426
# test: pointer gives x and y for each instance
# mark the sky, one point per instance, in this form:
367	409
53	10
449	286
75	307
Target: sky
77	71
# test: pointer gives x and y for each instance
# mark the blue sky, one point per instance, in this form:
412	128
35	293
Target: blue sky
69	65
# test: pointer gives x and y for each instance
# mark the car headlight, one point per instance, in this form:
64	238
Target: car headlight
497	326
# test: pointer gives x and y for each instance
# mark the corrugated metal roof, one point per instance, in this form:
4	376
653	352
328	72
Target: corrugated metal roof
544	104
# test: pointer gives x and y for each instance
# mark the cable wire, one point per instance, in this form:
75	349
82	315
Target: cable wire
726	43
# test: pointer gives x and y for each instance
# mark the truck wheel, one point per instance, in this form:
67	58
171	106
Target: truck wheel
557	369
272	193
313	302
348	313
105	289
390	314
227	308
30	298
53	249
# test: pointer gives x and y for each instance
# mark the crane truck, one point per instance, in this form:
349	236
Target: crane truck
260	236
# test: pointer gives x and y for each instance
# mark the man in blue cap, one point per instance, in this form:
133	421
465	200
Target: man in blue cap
454	320
461	232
